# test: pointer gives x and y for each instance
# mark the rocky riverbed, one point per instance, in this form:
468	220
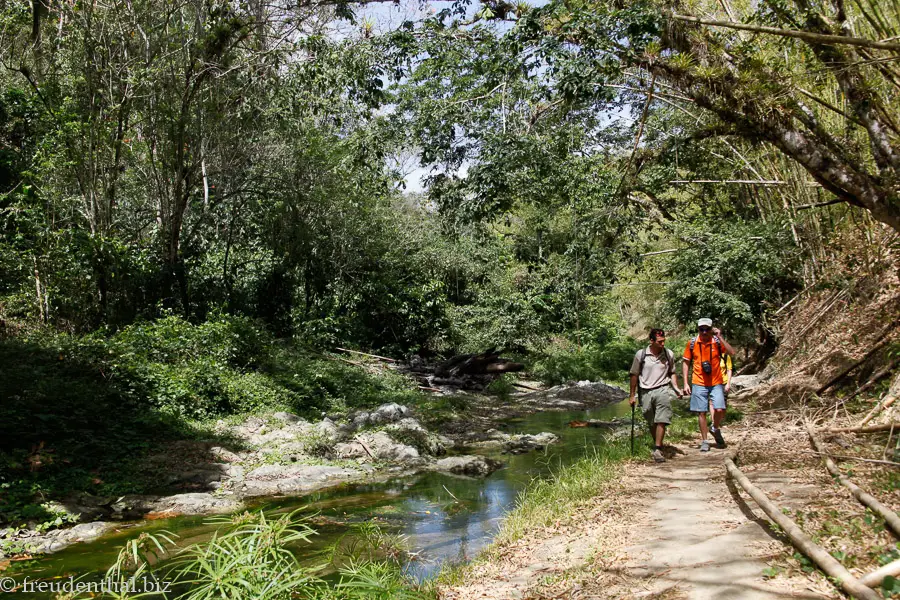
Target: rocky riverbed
282	454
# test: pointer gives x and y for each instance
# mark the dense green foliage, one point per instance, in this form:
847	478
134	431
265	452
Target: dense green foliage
83	413
199	198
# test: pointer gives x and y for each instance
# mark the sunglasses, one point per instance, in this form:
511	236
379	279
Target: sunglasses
704	328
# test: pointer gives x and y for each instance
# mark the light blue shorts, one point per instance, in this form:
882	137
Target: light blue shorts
701	394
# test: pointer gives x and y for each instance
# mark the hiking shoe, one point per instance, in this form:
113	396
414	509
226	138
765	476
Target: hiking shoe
658	456
704	446
717	434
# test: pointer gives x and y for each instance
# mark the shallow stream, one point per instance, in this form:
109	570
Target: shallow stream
444	517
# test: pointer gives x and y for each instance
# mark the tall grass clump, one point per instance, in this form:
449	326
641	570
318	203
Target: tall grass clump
252	558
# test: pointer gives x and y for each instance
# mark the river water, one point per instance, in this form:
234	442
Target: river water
443	517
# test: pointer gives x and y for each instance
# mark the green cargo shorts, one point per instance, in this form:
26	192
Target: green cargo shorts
656	404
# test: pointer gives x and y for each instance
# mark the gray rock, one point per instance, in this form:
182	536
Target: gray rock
515	443
88	531
350	450
328	430
287	417
388	413
274	479
223	455
583	392
411	432
518	444
195	504
740	383
385	448
474	466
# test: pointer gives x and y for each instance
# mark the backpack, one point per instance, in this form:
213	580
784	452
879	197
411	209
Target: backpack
670	359
718	345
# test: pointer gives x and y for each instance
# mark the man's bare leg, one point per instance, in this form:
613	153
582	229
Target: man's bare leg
660	433
704	429
718	418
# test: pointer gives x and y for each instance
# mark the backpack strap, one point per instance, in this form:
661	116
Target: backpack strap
719	346
669	358
715	339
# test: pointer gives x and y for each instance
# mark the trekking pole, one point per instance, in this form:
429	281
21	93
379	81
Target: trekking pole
632	429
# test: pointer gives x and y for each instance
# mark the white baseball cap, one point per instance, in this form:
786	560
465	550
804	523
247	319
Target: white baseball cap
704	322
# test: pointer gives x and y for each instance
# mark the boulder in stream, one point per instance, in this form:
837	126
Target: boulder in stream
291	479
471	465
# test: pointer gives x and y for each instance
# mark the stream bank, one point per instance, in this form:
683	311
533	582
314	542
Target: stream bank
282	455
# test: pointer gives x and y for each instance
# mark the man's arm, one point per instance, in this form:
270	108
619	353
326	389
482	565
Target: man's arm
634	382
684	373
674	383
728	348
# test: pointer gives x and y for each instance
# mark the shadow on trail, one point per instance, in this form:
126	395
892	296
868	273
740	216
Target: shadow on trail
67	427
745	509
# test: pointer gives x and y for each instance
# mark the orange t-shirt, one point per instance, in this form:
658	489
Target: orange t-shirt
705	351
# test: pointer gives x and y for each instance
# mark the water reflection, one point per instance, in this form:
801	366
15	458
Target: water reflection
444	517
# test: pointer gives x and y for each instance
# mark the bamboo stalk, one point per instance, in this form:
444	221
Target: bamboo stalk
807	36
869	429
803	542
888	399
660	252
874	579
889	516
742	181
875	461
385	358
875	378
848	370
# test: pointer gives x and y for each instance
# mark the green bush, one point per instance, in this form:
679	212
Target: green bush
731	271
609	362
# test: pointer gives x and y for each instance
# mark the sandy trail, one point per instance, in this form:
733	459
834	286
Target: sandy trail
677	530
704	540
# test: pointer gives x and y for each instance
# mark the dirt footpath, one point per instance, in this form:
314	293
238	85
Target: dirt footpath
674	530
705	540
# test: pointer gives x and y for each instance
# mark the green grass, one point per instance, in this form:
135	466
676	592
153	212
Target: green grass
556	498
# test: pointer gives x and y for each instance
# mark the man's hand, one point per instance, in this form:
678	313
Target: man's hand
716	331
686	391
727	387
631	400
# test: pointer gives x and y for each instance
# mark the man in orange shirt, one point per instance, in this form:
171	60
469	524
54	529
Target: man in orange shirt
706	351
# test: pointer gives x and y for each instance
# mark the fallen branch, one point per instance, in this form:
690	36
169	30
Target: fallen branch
370	368
874	579
856	458
851	368
888	399
869	429
527	387
821	314
365	446
889	516
816	553
875	378
385	358
428	389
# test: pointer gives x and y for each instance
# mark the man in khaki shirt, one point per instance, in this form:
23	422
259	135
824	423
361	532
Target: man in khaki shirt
653	378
